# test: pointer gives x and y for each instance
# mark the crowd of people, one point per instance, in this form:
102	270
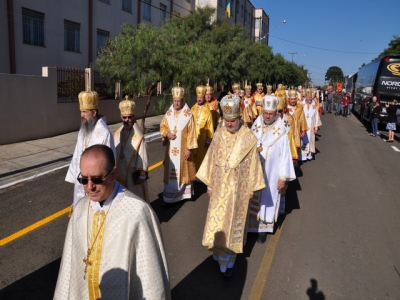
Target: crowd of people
244	148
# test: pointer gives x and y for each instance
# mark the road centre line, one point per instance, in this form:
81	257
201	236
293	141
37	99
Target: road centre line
48	219
262	274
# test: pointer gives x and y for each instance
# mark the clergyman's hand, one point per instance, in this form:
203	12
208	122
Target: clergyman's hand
188	153
281	184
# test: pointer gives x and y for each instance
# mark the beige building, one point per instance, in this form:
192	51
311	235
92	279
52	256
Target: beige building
69	33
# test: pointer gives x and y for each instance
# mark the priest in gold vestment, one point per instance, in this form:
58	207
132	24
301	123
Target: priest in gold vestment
213	105
178	132
131	152
232	172
258	96
204	124
297	122
113	247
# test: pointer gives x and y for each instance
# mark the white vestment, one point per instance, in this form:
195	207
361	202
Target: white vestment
100	135
131	154
308	141
127	259
277	164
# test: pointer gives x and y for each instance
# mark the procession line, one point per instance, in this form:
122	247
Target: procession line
48	219
262	274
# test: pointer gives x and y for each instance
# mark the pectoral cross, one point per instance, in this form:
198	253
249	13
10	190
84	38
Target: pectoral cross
175	130
87	263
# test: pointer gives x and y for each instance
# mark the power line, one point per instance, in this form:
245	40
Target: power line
331	50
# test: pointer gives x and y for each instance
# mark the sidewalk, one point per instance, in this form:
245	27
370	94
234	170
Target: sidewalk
27	160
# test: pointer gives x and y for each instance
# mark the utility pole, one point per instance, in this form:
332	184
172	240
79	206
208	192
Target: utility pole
292	54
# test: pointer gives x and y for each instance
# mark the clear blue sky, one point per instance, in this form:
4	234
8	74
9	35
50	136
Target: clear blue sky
362	26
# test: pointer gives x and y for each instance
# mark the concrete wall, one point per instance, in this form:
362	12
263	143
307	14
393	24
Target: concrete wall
29	108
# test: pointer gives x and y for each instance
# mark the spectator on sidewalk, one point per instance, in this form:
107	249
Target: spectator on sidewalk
391	109
350	103
345	104
376	111
338	102
329	102
93	131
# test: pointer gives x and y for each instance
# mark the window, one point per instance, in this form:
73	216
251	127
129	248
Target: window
147	10
72	36
32	27
241	12
257	24
237	6
102	37
188	1
163	13
105	1
127	5
245	15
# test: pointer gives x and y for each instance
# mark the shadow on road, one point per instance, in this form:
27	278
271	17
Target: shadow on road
313	293
38	285
206	280
165	212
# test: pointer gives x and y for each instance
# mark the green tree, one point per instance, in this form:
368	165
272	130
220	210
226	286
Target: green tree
394	47
334	75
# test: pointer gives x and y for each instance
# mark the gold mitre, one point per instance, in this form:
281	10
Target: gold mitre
308	92
230	105
127	107
88	100
282	102
178	92
236	87
292	94
260	85
270	102
209	89
247	88
201	91
269	88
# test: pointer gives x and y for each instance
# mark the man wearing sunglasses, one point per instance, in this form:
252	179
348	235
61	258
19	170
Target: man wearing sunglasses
93	131
113	247
131	152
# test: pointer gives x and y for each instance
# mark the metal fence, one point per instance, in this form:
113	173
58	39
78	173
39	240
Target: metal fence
70	82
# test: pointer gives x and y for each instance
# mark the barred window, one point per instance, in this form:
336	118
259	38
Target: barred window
72	36
147	10
102	37
163	13
32	27
127	5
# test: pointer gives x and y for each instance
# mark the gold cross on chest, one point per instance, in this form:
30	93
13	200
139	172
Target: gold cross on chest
87	263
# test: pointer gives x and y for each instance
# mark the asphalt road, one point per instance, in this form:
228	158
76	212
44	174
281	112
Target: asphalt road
340	238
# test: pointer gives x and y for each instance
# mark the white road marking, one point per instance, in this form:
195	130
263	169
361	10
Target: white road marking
148	138
395	149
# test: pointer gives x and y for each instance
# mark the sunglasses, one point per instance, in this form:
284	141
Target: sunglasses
95	180
127	117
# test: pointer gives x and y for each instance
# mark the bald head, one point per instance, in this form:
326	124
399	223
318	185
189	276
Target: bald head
101	152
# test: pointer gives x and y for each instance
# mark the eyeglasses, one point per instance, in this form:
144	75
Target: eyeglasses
127	117
95	180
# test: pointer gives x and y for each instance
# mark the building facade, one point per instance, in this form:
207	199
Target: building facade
69	33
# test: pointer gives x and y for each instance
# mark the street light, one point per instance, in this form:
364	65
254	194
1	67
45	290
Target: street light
282	22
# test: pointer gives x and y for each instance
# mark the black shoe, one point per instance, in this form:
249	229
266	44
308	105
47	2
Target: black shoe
262	237
228	273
